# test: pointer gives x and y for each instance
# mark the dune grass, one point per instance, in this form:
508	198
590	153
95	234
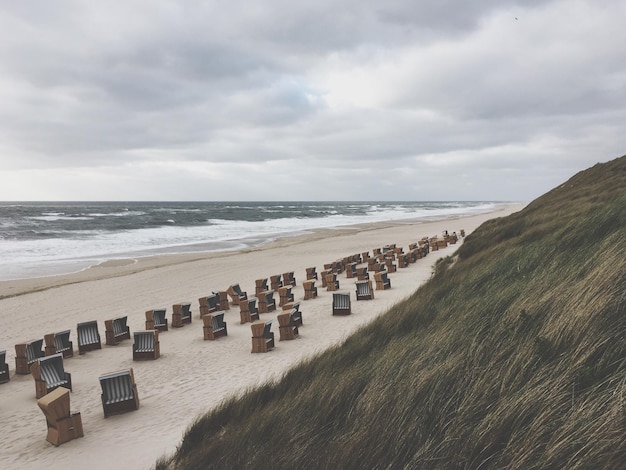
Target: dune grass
512	356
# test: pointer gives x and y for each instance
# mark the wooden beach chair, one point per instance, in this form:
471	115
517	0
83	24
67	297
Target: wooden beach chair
181	314
285	295
262	337
88	336
276	282
332	283
382	281
351	270
311	273
341	303
156	319
287	326
63	425
59	343
289	278
49	374
209	304
297	314
364	290
390	266
26	354
4	367
310	291
119	392
146	345
260	286
236	294
362	274
116	330
214	326
267	303
403	260
248	311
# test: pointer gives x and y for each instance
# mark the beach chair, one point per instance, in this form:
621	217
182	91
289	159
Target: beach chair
119	392
4	367
297	314
289	279
214	326
156	319
209	304
181	314
390	267
26	353
311	273
59	343
341	303
310	291
332	283
382	281
224	303
248	311
276	282
49	374
267	303
236	294
403	260
116	330
260	286
362	274
146	345
285	295
63	425
365	256
262	337
351	270
287	326
364	290
88	336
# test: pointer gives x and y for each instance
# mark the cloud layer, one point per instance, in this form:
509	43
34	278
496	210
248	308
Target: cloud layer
321	100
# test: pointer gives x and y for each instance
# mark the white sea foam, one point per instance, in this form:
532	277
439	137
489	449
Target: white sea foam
40	257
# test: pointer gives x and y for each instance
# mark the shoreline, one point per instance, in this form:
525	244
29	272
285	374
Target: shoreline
192	375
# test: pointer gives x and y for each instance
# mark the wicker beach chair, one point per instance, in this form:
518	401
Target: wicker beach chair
311	273
63	425
262	337
116	330
181	314
49	374
88	336
209	304
260	286
214	326
119	392
310	291
289	279
146	345
266	302
236	294
364	290
288	329
382	281
26	354
276	282
4	367
341	303
59	343
248	311
156	319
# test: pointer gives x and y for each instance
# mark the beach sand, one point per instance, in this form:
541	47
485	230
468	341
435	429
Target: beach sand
192	375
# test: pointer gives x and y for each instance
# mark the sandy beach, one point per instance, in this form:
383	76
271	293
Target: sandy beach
192	375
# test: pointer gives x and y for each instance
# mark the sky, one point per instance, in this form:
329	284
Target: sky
308	100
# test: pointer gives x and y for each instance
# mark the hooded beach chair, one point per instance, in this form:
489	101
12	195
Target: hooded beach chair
236	294
63	425
116	330
311	273
332	283
341	303
248	311
214	325
59	343
4	368
276	282
382	281
351	270
310	291
181	314
285	295
146	345
364	290
119	392
262	337
26	353
362	274
289	279
49	374
156	319
297	314
288	329
88	336
266	302
209	304
260	286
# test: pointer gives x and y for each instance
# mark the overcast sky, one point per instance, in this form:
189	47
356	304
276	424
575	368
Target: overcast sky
307	99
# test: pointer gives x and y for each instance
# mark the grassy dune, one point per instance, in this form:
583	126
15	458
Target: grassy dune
512	356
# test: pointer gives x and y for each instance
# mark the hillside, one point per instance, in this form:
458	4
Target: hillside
512	356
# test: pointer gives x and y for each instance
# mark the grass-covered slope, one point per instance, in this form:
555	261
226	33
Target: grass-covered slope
512	356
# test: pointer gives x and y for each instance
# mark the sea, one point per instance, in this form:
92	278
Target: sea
39	239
